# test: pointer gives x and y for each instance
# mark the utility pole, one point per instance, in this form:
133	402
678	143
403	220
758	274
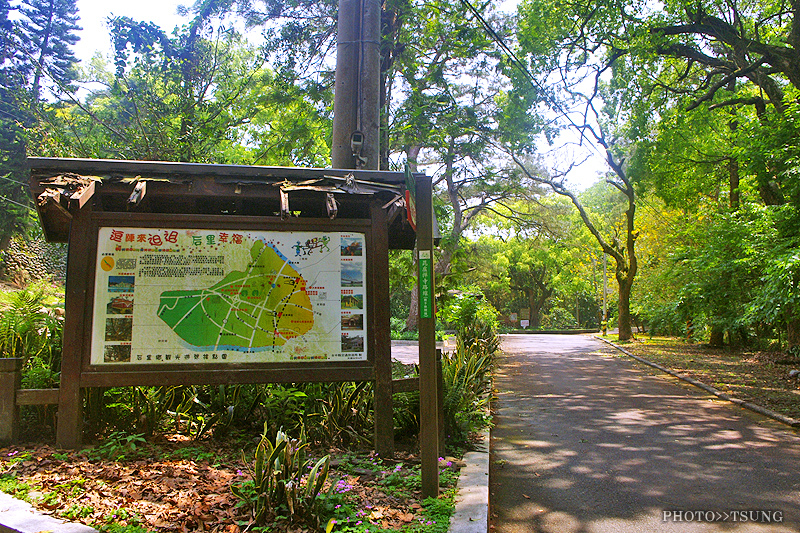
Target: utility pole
356	103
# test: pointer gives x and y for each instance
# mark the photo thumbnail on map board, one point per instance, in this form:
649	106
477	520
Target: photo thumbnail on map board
169	295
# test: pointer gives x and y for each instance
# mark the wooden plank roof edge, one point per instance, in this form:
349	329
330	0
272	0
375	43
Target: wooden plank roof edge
99	166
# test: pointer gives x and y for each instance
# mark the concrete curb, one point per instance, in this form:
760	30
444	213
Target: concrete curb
17	516
789	421
472	499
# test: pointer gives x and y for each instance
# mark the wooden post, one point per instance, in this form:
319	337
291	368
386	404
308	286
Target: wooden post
428	375
381	338
80	265
10	381
440	402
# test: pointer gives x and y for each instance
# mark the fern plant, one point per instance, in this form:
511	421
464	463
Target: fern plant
29	326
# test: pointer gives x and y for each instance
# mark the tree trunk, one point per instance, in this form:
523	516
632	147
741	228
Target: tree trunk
624	308
792	327
717	339
536	310
733	172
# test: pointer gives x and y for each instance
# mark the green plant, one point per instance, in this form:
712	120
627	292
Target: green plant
473	318
191	453
117	446
75	512
344	414
30	326
72	488
119	528
51	499
280	482
17	457
9	484
466	376
120	521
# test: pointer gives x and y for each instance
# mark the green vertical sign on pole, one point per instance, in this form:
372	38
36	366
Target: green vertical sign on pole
425	284
429	407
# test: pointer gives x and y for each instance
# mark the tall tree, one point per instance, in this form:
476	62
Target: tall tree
575	49
49	30
201	94
447	98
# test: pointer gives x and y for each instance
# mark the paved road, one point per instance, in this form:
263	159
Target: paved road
586	442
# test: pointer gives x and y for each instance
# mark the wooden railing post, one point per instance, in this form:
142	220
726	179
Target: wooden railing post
10	381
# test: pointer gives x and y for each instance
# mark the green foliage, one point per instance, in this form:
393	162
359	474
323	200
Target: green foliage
559	318
10	485
117	528
395	479
31	328
339	413
118	446
473	318
48	28
466	373
284	480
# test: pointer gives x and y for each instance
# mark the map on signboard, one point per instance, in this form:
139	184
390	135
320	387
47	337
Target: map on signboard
197	296
260	307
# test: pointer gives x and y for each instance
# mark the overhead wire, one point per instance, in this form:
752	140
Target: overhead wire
2	197
498	39
13	181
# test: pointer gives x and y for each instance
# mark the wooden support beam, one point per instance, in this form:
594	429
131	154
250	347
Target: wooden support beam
137	195
379	332
79	197
79	266
405	385
37	396
10	378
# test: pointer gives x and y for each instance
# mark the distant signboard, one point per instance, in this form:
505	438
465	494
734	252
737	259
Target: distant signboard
168	295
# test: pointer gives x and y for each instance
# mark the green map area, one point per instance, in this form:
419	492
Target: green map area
259	309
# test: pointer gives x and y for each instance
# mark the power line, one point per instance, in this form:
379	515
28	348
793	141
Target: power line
13	181
17	203
521	66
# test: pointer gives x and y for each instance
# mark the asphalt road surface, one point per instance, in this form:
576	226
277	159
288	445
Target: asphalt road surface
586	441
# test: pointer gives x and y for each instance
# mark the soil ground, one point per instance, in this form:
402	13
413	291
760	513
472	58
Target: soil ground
760	377
171	484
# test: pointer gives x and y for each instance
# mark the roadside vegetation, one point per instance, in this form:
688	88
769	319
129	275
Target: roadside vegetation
764	378
268	457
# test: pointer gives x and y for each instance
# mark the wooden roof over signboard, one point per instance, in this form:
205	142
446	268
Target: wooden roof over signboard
61	186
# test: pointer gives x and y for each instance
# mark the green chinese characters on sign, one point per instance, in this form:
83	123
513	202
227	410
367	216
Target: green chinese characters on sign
425	284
